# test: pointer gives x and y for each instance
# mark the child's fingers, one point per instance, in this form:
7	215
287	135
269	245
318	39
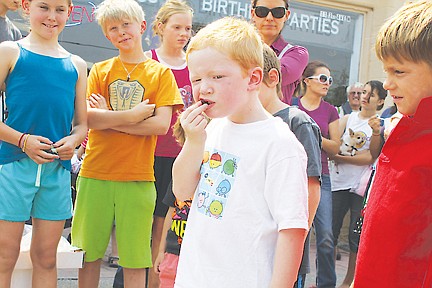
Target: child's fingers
64	148
36	148
97	101
199	121
192	112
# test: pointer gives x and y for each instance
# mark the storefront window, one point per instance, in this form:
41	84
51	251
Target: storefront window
331	35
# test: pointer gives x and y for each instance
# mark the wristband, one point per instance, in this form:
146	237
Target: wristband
25	142
19	141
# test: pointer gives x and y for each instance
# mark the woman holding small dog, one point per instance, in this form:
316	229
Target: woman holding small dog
361	144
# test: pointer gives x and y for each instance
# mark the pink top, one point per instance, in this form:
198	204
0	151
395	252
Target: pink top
293	63
166	144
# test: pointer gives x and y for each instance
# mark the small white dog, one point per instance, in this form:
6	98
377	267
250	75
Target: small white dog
351	142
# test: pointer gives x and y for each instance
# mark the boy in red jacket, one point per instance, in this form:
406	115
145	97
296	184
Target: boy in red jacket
396	241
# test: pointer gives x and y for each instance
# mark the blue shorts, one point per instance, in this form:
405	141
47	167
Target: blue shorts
40	191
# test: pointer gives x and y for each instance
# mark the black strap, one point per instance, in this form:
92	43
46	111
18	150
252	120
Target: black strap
3	105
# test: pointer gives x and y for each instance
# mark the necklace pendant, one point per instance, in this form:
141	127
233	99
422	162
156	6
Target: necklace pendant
127	78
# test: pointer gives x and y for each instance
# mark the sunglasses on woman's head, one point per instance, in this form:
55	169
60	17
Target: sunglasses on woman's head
277	12
322	78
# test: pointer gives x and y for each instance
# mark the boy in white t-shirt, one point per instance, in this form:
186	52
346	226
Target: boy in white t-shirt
249	216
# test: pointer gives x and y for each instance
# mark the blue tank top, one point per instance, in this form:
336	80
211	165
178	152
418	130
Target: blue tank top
40	96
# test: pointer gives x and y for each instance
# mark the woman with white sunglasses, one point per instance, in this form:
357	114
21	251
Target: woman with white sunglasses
269	17
316	83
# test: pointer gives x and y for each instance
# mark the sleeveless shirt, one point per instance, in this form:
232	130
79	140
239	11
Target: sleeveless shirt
40	98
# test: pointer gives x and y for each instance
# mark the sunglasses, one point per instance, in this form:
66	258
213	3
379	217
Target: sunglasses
354	93
323	79
277	12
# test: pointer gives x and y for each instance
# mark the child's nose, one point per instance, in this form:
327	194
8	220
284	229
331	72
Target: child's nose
205	89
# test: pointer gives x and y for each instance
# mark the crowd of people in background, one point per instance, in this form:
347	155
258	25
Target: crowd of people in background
228	132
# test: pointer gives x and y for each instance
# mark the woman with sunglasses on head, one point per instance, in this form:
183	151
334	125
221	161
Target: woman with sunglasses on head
316	83
352	169
269	17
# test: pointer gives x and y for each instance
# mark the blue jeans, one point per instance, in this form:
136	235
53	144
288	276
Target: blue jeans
326	275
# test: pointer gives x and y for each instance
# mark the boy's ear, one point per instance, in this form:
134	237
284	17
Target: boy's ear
273	78
143	26
25	6
160	26
255	78
70	10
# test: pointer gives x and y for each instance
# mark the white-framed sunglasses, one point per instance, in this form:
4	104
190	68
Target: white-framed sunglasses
323	79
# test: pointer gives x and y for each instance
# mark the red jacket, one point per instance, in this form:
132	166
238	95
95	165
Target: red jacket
396	242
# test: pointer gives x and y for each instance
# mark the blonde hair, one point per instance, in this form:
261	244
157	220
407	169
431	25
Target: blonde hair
178	131
170	8
232	36
407	34
117	10
271	61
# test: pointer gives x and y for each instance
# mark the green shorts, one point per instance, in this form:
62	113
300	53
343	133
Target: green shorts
130	204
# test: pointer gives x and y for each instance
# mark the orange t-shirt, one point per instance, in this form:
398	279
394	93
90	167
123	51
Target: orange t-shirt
117	156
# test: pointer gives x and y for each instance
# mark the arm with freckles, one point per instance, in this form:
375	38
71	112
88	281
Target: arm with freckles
186	180
288	255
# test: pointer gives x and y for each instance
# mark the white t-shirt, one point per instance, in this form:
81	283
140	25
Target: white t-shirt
346	176
251	187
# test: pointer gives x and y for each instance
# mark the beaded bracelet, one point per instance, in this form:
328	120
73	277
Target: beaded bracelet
25	142
19	141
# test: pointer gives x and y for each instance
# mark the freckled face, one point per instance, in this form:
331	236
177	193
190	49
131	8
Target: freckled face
219	81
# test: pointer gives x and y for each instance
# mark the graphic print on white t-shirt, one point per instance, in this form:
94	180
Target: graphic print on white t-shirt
218	173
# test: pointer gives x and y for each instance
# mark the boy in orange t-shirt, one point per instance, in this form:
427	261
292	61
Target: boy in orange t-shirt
116	180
